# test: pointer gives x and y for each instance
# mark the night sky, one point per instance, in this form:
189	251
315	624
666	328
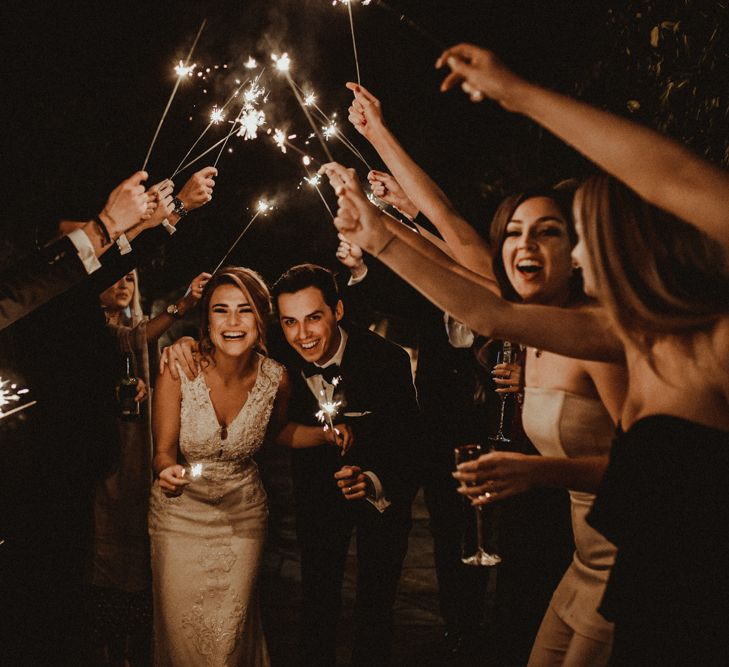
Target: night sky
85	83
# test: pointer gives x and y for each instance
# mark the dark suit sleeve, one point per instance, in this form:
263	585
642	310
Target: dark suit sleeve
391	435
37	279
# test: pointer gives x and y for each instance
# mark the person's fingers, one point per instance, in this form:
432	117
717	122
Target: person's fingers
344	472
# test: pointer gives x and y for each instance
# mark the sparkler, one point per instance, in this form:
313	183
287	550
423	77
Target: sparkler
314	181
9	393
216	115
209	125
283	65
330	122
251	63
181	71
328	410
263	206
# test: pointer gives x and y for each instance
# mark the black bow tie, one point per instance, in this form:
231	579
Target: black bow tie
328	373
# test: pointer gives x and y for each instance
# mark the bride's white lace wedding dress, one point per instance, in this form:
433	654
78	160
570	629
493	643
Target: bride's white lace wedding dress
208	542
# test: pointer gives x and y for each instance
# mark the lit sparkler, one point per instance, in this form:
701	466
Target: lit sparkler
328	410
263	206
10	394
309	99
180	68
283	64
250	120
279	137
329	130
251	63
216	115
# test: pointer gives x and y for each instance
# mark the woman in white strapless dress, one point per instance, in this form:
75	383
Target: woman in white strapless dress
207	518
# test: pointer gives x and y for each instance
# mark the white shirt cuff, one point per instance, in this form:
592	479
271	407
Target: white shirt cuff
85	250
359	278
380	502
459	335
169	227
123	244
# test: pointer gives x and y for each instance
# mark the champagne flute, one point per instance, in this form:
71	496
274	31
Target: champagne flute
481	557
507	355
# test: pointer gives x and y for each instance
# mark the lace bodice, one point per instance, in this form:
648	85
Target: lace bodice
200	432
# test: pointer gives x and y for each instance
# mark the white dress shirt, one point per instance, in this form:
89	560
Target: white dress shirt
324	391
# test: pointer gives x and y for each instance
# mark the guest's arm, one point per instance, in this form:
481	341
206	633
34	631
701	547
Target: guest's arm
662	171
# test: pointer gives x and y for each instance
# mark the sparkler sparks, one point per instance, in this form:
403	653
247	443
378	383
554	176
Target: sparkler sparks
329	130
314	180
251	63
279	136
184	70
9	395
309	100
283	62
216	115
250	120
264	206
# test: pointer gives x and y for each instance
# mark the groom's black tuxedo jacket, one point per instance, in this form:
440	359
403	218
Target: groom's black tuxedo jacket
379	403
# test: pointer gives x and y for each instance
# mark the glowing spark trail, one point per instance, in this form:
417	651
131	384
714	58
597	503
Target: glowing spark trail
263	206
9	394
172	95
279	136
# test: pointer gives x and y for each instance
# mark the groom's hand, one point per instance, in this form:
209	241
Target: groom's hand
341	436
352	482
183	352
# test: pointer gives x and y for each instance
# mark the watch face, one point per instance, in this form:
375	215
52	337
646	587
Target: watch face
173	310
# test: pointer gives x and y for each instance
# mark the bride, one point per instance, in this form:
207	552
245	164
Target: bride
207	519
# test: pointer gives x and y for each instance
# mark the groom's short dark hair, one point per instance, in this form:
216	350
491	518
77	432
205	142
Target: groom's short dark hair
301	276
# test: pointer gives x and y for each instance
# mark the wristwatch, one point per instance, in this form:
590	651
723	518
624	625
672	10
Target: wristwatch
174	311
179	207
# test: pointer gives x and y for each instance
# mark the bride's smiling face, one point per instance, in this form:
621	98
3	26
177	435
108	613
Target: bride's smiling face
232	322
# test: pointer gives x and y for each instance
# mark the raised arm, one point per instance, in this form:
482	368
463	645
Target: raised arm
467	246
660	170
582	333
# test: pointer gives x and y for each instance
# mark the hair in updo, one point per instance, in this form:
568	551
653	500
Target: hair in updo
255	290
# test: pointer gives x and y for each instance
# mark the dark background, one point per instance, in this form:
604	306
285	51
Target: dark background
84	85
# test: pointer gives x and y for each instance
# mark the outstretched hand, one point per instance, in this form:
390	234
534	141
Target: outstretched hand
161	194
357	218
365	112
495	476
480	74
385	187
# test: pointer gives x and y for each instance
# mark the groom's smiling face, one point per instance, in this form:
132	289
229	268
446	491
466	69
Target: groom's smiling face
309	324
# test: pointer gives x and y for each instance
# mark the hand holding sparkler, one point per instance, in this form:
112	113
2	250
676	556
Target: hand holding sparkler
386	188
353	483
357	218
127	204
480	74
172	480
365	112
351	255
161	195
339	435
198	190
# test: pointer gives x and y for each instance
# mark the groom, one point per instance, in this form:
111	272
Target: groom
369	487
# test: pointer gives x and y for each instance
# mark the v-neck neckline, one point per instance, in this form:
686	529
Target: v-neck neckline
225	428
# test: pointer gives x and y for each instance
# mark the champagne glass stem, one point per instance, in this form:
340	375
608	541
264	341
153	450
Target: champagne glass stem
500	433
479	529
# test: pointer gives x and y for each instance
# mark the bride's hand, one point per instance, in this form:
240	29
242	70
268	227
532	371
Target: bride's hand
172	480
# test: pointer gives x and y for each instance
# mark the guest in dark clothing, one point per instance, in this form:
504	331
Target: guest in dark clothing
52	458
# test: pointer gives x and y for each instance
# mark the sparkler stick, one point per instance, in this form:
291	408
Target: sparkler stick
282	65
310	101
328	410
416	28
203	154
210	124
314	182
18	409
172	95
263	207
354	41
